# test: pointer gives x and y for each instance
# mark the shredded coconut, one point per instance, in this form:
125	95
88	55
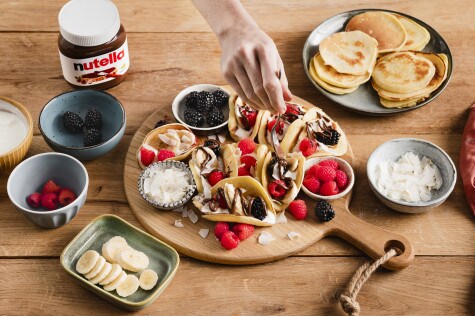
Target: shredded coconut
179	224
281	219
293	235
204	232
265	238
167	186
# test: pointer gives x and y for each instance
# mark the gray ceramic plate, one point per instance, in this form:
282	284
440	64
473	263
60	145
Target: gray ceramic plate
365	100
163	259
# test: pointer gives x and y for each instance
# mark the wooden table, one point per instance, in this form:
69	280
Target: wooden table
170	48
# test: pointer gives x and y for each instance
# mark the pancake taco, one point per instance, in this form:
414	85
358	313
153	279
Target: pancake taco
248	164
243	121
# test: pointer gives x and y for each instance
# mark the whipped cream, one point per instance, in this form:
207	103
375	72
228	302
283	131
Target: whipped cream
13	129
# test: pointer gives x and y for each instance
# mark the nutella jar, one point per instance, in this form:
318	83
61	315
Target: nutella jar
92	44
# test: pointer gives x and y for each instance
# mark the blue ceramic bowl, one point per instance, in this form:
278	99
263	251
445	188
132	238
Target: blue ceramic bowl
30	176
61	140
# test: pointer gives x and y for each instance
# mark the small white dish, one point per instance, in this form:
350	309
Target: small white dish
178	109
344	166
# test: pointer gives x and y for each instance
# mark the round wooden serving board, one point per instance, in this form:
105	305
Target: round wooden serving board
367	237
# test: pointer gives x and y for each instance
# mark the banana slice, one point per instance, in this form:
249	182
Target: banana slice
97	268
129	286
87	261
133	260
102	275
118	281
116	269
148	279
113	247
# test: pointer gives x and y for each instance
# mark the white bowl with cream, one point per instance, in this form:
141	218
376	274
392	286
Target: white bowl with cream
16	133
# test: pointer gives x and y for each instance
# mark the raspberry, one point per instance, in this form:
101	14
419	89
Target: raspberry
311	183
312	171
165	154
249	161
244	171
329	188
220	228
229	240
147	156
66	196
341	179
49	201
308	146
215	176
326	173
247	146
50	187
279	129
329	163
34	200
251	118
277	189
298	209
221	201
243	231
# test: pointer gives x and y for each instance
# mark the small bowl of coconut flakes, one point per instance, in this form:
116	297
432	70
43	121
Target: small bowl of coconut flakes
167	185
411	175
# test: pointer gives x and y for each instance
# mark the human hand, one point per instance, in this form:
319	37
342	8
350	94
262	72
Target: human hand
252	66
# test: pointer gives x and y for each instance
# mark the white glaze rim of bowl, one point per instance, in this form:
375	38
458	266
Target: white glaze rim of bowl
7	106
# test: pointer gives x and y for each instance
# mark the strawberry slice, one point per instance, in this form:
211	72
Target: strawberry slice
147	156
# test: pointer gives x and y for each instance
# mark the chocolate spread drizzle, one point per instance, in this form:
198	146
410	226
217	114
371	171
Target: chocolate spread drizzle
206	160
220	195
291	116
244	119
324	127
282	168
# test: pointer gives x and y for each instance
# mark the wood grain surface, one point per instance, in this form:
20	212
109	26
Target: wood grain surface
171	47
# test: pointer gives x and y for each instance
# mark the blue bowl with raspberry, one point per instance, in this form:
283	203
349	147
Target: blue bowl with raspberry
203	108
85	124
49	188
327	178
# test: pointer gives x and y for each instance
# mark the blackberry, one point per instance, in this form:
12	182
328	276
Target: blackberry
191	99
331	140
324	211
258	208
193	118
93	119
221	98
161	123
92	137
73	122
215	117
205	102
214	145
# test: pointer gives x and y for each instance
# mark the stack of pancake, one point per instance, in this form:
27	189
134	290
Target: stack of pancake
345	61
402	75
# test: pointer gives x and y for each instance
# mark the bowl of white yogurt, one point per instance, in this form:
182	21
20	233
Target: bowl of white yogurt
16	133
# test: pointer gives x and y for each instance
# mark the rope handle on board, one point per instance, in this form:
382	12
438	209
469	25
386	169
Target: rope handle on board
348	298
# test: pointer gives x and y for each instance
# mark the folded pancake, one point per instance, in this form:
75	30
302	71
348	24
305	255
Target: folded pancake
417	35
237	200
293	112
250	163
333	77
403	72
175	137
244	121
351	53
384	27
319	127
440	63
204	160
326	86
282	178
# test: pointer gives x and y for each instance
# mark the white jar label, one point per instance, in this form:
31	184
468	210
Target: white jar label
96	70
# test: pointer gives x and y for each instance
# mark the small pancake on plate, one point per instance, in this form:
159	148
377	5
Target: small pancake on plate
401	104
403	72
330	88
333	77
350	53
417	36
384	27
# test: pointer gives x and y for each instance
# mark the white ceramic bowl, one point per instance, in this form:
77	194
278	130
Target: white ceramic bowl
178	108
166	165
30	176
344	166
392	151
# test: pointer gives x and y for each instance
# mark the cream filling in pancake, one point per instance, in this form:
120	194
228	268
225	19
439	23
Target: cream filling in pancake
349	52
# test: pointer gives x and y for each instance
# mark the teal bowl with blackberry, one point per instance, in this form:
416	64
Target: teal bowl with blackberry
85	124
